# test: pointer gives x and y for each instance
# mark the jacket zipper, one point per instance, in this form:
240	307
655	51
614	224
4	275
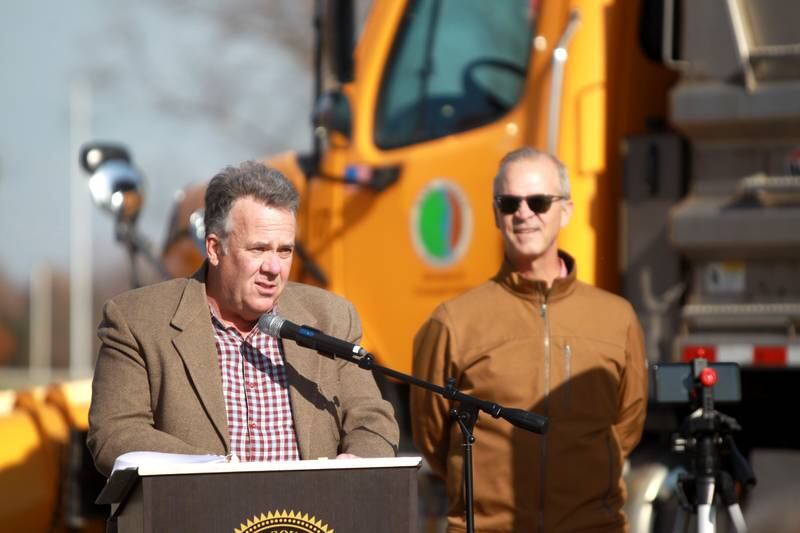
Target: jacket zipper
568	372
546	355
546	409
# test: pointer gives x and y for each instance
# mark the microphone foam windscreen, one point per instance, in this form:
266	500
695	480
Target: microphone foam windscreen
270	324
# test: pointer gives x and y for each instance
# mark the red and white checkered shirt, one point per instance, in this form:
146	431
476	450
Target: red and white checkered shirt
256	393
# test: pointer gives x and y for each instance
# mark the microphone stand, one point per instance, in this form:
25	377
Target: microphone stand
465	415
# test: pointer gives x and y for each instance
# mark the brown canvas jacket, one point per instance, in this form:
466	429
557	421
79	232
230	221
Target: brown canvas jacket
574	354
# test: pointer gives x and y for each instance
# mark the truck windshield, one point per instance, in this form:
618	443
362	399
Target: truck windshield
455	65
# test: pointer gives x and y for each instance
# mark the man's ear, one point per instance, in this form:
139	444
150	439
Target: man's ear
566	211
214	249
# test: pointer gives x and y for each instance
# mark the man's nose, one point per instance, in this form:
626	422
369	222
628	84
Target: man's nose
271	264
523	211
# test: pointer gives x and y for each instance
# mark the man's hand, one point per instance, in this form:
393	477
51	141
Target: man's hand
347	456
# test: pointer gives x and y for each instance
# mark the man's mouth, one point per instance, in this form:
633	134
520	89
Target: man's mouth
265	286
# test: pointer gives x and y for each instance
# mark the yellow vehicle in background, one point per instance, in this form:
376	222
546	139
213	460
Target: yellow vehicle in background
396	208
396	194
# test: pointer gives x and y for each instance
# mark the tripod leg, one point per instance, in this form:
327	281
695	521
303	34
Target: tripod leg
706	519
706	514
727	492
737	518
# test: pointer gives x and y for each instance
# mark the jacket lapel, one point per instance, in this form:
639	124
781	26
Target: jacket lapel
303	367
194	342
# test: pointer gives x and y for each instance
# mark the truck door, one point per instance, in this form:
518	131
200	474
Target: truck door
439	104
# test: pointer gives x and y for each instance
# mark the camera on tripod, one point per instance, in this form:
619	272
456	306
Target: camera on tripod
677	383
706	436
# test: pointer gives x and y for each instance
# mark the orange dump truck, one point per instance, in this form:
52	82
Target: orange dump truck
678	122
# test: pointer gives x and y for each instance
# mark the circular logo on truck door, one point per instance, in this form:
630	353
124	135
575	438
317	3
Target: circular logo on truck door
441	223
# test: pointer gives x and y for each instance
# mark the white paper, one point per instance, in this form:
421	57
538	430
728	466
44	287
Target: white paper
140	459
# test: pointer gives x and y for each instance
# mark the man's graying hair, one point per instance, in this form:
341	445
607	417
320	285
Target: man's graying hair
528	153
251	178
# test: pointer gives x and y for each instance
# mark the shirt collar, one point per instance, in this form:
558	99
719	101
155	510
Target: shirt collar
217	321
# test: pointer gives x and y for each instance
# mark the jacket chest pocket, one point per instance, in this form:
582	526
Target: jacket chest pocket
585	378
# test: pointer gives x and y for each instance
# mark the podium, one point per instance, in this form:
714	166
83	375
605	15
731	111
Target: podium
322	496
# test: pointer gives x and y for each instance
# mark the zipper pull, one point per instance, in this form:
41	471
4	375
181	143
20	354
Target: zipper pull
544	309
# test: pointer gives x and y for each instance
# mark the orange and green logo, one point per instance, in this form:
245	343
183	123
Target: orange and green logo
441	223
283	522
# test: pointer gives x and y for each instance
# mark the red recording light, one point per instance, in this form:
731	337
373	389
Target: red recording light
708	377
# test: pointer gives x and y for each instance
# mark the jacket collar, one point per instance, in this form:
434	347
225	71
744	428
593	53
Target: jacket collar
535	289
193	300
194	342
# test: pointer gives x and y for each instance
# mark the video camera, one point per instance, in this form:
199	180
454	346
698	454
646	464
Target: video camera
680	383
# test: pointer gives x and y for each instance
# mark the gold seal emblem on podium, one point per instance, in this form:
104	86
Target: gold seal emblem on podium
283	522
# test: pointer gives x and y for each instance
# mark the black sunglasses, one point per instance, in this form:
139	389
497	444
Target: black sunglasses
538	203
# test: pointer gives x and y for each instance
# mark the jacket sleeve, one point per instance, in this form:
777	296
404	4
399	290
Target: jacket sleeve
368	424
633	390
120	414
433	349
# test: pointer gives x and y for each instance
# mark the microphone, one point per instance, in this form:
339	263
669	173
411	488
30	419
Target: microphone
525	420
308	337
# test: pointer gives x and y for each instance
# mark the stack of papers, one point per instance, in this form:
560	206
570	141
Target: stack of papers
138	459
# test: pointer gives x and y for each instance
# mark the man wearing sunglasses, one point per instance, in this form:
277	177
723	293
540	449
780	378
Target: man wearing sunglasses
535	337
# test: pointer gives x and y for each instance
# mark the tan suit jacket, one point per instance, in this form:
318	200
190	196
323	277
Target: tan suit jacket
157	383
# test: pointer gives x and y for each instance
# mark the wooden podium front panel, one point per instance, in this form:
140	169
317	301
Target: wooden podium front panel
344	501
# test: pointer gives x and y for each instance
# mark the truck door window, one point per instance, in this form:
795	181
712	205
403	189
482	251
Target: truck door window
455	65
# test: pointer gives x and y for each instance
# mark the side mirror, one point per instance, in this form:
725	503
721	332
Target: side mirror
197	229
340	20
114	182
92	155
332	113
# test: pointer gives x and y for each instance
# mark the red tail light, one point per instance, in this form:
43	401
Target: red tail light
699	352
769	356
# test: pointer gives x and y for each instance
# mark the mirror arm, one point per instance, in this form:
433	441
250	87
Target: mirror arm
136	245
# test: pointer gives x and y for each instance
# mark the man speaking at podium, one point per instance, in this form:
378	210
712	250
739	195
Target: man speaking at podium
183	367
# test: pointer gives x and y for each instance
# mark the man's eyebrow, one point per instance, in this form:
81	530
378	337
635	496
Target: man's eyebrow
265	244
